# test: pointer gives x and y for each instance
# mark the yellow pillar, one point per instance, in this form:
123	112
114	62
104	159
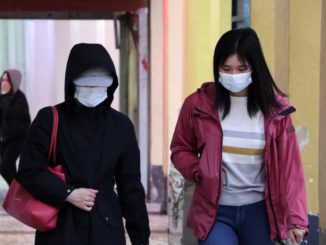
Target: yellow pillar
322	133
206	21
305	43
270	19
290	35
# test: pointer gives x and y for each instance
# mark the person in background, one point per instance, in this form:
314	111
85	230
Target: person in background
14	122
97	148
235	140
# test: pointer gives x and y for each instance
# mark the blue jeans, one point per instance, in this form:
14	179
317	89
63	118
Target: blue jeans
243	225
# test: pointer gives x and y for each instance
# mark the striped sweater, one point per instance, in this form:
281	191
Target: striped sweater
242	156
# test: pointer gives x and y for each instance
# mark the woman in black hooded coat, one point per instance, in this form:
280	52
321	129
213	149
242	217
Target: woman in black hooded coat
98	149
14	122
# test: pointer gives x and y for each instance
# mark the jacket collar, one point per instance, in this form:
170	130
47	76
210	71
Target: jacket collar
285	110
206	96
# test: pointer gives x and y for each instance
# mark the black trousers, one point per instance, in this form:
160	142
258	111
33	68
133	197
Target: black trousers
9	152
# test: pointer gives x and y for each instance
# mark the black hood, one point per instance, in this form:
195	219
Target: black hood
82	57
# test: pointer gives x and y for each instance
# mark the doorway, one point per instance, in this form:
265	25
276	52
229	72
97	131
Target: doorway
39	35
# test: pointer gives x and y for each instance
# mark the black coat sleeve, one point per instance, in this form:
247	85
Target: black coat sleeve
32	172
131	192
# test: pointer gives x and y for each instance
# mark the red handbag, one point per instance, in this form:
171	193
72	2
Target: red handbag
27	209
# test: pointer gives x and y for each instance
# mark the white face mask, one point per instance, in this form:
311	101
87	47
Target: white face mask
235	82
90	96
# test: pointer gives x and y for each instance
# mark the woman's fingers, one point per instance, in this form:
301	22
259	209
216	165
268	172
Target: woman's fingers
296	235
83	198
293	240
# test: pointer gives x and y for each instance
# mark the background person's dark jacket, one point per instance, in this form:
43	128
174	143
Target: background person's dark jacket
97	148
14	112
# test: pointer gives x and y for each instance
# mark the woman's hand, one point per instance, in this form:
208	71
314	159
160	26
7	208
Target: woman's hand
296	235
82	198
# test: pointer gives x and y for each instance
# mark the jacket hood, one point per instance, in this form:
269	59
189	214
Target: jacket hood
82	57
15	78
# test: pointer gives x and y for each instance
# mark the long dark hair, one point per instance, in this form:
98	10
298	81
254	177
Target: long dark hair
262	91
11	91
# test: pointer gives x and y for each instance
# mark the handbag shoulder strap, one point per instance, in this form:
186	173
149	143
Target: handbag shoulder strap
53	143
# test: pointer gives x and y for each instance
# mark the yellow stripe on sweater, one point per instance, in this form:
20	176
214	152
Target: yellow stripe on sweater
243	151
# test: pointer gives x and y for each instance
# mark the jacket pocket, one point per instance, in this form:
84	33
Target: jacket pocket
109	210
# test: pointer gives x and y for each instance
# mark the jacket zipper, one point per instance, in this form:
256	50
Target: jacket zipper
221	150
274	214
278	237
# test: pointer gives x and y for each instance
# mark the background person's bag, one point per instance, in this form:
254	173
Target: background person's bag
27	209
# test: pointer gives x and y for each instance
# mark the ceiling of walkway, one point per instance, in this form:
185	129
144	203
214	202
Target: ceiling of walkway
66	9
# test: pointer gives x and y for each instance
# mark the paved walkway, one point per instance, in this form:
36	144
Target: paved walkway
13	232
